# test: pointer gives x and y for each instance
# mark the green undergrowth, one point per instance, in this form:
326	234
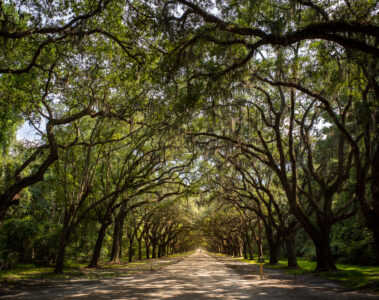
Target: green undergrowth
75	270
353	276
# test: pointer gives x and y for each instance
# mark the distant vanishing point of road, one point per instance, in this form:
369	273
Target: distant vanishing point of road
198	276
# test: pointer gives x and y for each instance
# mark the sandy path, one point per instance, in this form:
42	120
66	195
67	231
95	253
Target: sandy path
198	276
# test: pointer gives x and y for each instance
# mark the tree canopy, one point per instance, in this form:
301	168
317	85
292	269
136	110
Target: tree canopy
159	126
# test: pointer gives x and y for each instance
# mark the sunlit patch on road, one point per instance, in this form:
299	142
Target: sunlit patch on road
199	276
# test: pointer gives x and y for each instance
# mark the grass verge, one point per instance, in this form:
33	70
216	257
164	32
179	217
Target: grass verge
74	270
353	276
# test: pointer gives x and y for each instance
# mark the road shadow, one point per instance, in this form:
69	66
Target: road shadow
199	276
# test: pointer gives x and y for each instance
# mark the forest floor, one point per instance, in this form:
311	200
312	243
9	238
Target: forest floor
197	276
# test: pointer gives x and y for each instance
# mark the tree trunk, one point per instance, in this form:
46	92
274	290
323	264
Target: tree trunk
131	240
324	258
235	250
12	195
117	234
249	247
4	205
273	252
244	248
374	219
163	251
272	244
98	246
259	240
140	248
154	254
62	250
320	237
116	243
289	240
147	250
375	232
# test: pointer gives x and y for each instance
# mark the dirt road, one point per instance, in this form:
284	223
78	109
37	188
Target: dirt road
199	276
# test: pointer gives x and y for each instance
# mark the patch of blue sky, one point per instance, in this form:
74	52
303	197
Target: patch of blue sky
28	132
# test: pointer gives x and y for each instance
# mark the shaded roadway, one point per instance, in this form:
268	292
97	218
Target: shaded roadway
198	276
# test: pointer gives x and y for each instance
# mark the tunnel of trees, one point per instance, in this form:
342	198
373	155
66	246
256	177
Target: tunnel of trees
137	129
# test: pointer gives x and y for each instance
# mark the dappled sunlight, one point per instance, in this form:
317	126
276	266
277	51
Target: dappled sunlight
199	276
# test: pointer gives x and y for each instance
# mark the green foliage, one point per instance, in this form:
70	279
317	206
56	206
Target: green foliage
27	240
227	121
304	246
352	242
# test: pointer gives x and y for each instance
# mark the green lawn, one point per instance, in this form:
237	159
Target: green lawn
33	271
79	270
353	276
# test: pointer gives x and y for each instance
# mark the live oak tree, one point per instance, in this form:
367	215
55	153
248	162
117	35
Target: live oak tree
356	95
257	189
46	50
156	173
230	38
267	109
43	109
233	231
76	172
280	149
